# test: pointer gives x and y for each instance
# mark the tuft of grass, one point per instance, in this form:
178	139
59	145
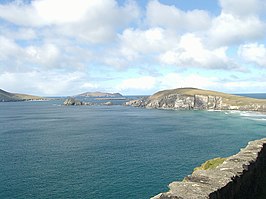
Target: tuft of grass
210	164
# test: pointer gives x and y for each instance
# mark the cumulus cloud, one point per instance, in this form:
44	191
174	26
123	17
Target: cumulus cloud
171	17
228	29
192	52
152	84
46	54
44	82
175	80
253	52
9	49
93	21
135	43
145	83
65	38
242	8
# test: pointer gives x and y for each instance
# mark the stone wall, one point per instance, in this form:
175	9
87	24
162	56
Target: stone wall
241	176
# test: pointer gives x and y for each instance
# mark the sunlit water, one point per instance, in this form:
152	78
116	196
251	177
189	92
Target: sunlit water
53	151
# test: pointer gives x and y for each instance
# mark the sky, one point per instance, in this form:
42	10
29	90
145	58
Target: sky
67	47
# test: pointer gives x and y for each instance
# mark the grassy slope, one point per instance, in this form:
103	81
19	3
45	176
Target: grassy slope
99	94
230	99
6	96
211	164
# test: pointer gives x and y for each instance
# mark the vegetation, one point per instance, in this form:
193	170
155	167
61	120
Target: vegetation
233	100
6	96
210	164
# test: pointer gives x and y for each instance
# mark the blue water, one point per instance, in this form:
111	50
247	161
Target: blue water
53	151
254	95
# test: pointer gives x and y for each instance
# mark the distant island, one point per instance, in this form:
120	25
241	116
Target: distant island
100	94
198	99
14	97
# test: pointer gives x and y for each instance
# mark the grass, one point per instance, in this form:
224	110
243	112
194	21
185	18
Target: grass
210	164
233	100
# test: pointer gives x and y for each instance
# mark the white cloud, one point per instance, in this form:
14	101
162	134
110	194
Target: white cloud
135	43
179	80
171	17
89	85
248	86
61	11
192	52
174	80
228	29
19	34
101	21
150	84
9	49
92	21
46	54
45	83
137	84
242	8
253	52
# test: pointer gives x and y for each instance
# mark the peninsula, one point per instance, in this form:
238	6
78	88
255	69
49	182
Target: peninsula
198	99
13	97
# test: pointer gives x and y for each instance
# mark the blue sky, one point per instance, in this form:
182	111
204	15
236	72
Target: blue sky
66	47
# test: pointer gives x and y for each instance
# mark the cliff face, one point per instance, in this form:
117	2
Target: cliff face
241	176
197	99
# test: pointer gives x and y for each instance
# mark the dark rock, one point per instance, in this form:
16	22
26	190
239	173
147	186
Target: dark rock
72	102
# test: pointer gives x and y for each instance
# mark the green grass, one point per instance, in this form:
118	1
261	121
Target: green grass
210	164
230	99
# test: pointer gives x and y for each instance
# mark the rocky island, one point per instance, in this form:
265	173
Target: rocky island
198	99
14	97
100	94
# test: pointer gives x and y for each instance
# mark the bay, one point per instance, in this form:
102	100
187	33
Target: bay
53	151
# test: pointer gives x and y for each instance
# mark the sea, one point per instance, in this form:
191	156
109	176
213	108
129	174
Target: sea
48	150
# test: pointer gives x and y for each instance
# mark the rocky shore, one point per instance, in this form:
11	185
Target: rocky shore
74	102
198	99
241	176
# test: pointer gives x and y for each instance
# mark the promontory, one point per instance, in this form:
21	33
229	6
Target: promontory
198	99
13	97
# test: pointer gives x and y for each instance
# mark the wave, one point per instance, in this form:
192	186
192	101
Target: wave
258	116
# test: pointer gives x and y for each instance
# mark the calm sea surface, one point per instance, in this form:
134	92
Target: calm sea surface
114	152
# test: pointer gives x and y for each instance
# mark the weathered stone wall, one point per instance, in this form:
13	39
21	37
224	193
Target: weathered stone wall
241	176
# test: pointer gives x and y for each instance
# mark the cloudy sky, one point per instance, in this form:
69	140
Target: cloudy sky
65	47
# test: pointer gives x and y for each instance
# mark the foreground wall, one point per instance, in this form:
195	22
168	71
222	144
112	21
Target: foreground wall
240	176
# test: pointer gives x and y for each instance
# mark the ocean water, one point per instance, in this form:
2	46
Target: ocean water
114	152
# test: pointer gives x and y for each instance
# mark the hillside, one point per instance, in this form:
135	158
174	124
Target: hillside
99	94
12	97
198	99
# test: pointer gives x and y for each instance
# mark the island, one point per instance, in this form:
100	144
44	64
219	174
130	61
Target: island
198	99
14	97
100	94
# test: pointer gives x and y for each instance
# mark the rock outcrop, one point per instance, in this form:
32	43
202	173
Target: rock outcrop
197	99
241	176
74	102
